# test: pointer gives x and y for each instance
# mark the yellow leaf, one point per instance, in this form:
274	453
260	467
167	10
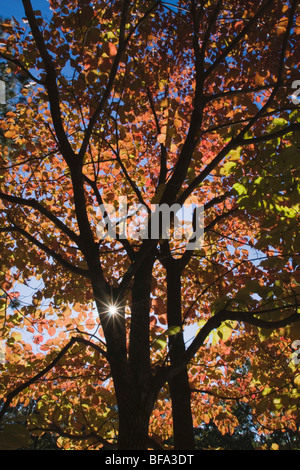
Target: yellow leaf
259	79
177	123
297	380
227	168
16	336
274	446
164	103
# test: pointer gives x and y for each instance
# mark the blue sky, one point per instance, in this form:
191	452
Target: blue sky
10	8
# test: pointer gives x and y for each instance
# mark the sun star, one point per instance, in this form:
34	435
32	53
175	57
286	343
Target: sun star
112	310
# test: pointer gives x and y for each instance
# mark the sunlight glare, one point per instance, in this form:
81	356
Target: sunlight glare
112	310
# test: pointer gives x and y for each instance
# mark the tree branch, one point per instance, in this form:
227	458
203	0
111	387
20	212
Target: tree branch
249	317
19	64
11	395
245	120
110	83
50	83
91	435
126	244
56	256
240	91
34	204
272	135
189	145
163	151
236	141
238	38
129	179
243	317
187	255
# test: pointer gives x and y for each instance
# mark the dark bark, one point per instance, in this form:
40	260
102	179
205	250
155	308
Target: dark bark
179	383
181	412
134	413
135	396
139	346
135	405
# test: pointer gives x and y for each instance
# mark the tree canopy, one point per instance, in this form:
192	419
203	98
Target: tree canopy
128	339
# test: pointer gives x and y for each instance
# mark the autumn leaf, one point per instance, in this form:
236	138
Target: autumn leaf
112	49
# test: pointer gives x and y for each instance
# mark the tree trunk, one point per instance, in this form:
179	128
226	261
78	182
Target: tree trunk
179	384
135	395
139	345
133	423
181	411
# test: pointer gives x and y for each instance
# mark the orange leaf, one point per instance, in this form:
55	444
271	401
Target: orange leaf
161	138
112	49
9	134
51	331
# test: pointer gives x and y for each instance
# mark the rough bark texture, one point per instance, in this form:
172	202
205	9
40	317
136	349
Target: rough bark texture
134	414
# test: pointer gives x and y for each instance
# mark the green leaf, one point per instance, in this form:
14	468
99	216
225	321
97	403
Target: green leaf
279	122
161	341
240	189
173	330
227	168
219	304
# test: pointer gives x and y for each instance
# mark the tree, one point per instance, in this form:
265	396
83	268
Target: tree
189	105
245	435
